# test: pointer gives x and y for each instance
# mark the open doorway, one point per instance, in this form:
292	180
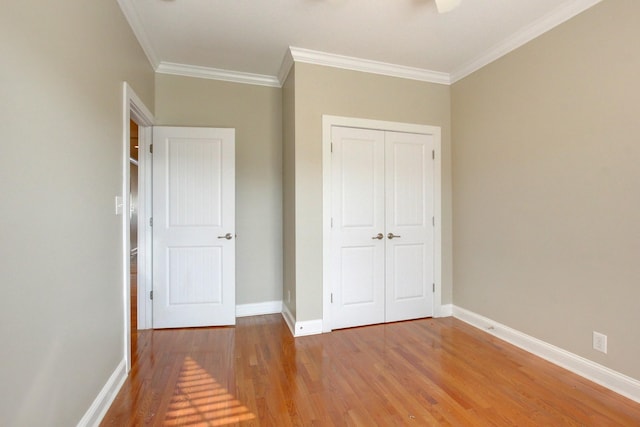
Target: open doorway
136	228
133	230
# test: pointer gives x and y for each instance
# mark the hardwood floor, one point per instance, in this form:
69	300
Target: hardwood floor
428	372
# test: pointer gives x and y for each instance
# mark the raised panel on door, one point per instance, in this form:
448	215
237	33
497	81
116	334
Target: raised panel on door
193	206
409	215
358	216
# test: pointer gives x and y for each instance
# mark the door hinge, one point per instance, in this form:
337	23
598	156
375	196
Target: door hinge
331	222
151	222
433	221
434	288
331	297
332	147
151	295
151	148
433	154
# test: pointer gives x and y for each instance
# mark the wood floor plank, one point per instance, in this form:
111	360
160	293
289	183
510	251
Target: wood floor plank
428	372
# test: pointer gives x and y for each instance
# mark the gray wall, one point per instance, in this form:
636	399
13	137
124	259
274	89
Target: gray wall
256	114
546	173
323	90
61	311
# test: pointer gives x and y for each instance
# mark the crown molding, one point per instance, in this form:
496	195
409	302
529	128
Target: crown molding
367	66
133	19
285	67
294	54
217	74
520	38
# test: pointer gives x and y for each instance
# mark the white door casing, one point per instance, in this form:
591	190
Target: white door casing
382	235
193	227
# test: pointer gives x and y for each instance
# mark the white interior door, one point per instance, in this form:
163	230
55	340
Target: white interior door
193	227
382	239
409	227
357	247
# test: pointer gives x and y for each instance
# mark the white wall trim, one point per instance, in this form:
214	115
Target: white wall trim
132	17
437	214
329	121
301	329
217	74
563	13
257	309
615	381
285	67
103	401
446	310
368	66
289	319
308	327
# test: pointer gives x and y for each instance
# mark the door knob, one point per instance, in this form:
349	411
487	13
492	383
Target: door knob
380	236
391	236
227	236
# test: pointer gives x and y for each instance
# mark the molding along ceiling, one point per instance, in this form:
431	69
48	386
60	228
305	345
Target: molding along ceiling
248	41
216	74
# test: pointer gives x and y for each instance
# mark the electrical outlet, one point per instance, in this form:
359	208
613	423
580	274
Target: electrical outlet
600	342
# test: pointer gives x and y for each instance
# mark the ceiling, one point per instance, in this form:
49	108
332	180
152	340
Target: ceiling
251	38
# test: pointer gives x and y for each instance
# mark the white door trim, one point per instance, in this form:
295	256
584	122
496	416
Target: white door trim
133	109
329	121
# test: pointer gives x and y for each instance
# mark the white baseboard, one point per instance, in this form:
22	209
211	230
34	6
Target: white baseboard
615	381
308	327
301	329
446	310
257	309
289	319
103	401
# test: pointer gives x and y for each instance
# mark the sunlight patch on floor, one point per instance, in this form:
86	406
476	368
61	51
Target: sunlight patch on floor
199	400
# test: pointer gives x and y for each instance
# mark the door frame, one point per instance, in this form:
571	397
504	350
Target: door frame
134	109
327	122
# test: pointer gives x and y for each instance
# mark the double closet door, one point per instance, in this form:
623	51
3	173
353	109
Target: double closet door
382	235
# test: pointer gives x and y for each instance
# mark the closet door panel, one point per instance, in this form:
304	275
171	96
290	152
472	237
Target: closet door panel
358	216
409	226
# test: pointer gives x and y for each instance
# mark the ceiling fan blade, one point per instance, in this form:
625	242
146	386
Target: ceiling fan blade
447	5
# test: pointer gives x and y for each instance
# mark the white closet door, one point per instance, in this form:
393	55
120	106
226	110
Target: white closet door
409	182
357	246
382	238
193	227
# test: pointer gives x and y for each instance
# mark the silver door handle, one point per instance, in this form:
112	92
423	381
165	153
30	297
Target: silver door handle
227	236
391	236
380	236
